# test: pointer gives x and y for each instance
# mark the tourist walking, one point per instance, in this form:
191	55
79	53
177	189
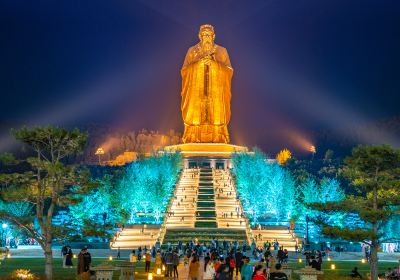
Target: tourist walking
133	258
246	271
158	261
223	271
238	260
209	271
68	257
194	268
148	261
84	260
63	254
176	263
169	261
258	273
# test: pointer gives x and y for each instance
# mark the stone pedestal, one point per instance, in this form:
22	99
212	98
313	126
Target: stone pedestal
308	273
127	271
104	272
287	270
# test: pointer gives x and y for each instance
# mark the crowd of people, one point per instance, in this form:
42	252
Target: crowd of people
220	262
216	261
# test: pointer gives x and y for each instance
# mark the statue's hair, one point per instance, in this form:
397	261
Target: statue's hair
206	26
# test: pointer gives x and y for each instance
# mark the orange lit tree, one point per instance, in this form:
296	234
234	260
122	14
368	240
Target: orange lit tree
283	156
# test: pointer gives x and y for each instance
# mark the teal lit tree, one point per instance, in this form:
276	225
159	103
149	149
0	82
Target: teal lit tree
328	190
147	185
266	189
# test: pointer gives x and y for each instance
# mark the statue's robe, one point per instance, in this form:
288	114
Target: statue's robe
206	112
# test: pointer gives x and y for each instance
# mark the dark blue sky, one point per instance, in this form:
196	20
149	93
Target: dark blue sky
299	65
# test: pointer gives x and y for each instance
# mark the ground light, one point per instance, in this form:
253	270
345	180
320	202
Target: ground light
329	259
74	256
333	266
150	276
8	256
110	258
300	260
158	271
363	260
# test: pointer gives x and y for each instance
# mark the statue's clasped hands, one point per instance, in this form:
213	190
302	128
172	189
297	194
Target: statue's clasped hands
207	60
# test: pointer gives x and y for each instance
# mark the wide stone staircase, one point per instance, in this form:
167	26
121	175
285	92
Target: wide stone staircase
135	236
182	211
205	215
215	195
204	235
228	206
278	233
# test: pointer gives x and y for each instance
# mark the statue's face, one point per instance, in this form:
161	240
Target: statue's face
207	37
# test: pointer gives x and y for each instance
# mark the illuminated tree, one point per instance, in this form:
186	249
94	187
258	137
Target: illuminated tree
147	186
283	156
374	172
46	184
266	189
328	190
96	213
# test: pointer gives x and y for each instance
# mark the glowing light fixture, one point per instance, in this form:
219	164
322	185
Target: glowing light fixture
150	276
4	226
300	260
110	258
99	152
329	259
158	271
333	266
363	260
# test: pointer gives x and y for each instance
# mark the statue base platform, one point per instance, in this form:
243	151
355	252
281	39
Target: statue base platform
206	149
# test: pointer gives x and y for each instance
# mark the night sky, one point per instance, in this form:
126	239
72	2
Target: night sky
299	66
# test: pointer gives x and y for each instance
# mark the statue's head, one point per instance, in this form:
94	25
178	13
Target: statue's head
206	35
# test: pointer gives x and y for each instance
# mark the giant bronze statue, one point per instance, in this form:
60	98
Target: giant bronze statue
206	91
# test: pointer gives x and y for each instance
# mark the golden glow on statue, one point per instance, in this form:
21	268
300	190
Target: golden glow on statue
206	91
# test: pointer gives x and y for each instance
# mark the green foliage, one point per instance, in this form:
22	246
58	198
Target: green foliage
8	159
32	196
374	172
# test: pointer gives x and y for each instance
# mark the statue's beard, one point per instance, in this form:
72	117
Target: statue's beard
207	46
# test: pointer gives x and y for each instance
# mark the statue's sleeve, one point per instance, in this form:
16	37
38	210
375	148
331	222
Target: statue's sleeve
188	58
226	61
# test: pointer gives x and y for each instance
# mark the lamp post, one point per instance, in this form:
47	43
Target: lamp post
313	151
99	152
307	221
4	227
